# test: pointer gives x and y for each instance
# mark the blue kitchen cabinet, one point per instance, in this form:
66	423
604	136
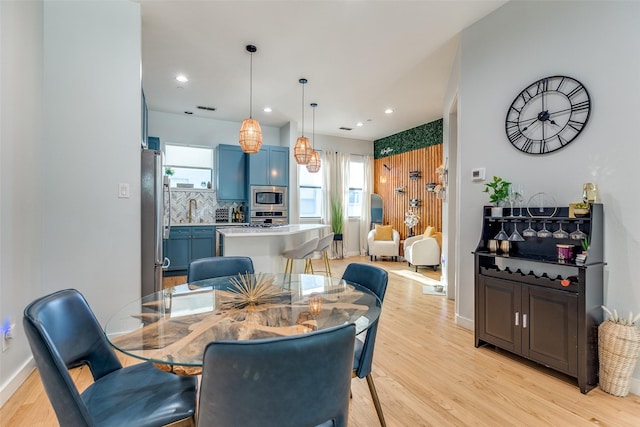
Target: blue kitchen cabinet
187	243
178	248
203	242
270	166
231	170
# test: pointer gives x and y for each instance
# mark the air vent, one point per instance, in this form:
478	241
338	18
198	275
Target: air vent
344	128
200	107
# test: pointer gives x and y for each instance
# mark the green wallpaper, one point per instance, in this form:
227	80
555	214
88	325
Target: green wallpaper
419	137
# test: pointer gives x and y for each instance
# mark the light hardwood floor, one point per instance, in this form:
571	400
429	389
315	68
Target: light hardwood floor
427	373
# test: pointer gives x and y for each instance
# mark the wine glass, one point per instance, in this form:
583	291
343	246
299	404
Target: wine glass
512	197
502	235
520	198
560	233
515	236
529	232
578	234
544	233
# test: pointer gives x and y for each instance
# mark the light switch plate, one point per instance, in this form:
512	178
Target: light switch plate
477	174
123	190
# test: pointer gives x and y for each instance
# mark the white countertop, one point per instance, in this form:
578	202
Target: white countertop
283	230
207	224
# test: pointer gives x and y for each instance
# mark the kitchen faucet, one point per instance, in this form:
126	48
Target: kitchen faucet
190	216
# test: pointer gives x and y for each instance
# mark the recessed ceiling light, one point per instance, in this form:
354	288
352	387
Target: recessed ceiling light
267	109
359	124
182	78
388	111
188	112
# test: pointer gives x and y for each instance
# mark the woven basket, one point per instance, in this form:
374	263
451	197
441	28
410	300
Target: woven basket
618	348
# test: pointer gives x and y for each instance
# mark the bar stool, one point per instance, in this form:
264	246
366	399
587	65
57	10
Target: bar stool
303	251
323	247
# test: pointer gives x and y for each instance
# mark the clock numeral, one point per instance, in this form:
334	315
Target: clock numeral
575	91
526	96
512	125
543	147
575	125
542	86
560	84
584	105
527	145
562	141
515	137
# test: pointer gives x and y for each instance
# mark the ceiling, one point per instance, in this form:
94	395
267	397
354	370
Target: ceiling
359	57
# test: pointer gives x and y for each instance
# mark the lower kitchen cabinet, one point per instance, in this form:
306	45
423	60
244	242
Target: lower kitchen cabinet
188	243
535	322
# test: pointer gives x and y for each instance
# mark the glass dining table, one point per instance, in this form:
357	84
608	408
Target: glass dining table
172	327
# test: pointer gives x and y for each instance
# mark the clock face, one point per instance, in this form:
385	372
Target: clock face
547	115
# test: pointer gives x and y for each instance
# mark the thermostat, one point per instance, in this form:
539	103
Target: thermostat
477	174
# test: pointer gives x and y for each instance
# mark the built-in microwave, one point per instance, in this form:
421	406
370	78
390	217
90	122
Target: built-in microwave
268	198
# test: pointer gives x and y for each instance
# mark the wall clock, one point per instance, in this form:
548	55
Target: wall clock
547	115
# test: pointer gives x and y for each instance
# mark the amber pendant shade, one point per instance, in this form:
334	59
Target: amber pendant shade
314	162
250	136
302	150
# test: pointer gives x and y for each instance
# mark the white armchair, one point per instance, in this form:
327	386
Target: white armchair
421	251
389	248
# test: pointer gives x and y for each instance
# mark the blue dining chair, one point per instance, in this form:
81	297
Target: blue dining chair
64	333
375	279
218	266
301	380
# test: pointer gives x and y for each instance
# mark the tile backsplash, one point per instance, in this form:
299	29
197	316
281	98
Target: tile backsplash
206	206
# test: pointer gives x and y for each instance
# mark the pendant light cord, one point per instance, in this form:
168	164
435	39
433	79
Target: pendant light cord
251	87
303	108
313	127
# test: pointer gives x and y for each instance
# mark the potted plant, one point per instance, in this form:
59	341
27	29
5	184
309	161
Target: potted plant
498	190
336	218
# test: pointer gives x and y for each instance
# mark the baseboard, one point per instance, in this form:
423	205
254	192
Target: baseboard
10	387
464	322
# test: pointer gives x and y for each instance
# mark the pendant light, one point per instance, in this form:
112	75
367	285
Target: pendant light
250	132
302	149
314	161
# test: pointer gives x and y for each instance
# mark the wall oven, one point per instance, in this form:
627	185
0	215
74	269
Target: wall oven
268	204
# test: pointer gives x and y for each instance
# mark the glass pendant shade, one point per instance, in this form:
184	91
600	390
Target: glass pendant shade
250	136
302	150
314	162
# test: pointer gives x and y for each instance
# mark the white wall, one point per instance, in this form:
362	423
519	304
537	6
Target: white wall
21	177
594	42
70	133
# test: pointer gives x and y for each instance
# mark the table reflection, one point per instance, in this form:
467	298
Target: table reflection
173	326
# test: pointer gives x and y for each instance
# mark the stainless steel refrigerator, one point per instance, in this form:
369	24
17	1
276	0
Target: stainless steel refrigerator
154	189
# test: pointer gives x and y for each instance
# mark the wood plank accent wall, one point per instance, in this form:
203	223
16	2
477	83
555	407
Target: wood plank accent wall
425	160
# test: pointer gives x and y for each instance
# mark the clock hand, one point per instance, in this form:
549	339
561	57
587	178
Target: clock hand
560	112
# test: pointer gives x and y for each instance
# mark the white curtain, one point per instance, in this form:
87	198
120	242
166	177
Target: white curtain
365	216
341	192
329	164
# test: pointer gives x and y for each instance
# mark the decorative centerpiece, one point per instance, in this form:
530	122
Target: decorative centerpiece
411	220
253	289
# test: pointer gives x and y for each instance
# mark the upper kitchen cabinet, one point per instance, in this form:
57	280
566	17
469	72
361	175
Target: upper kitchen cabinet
270	166
231	170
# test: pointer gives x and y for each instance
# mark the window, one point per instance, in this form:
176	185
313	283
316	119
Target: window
189	165
356	184
311	194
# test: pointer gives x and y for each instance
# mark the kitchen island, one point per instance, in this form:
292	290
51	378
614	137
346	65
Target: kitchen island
266	245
